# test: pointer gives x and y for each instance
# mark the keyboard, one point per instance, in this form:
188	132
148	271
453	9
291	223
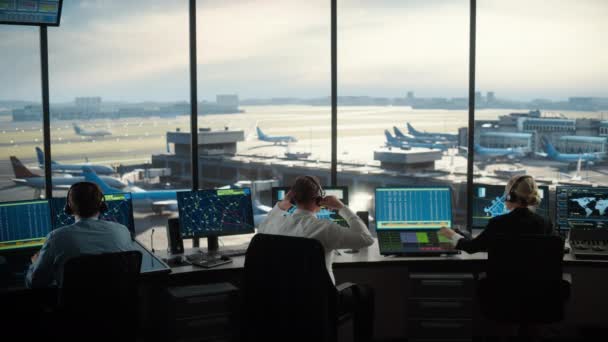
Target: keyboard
207	261
590	249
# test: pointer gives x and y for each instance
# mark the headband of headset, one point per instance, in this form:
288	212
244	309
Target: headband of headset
320	193
101	203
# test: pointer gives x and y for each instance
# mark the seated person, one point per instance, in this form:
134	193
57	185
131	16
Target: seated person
309	197
88	235
522	198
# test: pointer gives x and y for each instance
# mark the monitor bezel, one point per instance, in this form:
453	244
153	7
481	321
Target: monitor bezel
544	187
36	246
195	236
55	24
130	227
411	187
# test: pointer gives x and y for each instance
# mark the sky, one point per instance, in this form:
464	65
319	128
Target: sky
137	50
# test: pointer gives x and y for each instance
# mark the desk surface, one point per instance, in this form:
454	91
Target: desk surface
370	256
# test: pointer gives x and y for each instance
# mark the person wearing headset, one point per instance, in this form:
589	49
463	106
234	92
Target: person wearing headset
308	195
521	200
88	235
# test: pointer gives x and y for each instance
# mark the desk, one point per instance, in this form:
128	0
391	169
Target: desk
389	276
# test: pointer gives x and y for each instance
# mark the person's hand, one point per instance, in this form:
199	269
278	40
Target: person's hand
34	257
447	232
332	202
285	203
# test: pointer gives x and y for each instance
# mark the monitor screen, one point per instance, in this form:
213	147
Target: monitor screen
489	201
30	12
408	219
341	192
216	212
24	224
120	209
581	207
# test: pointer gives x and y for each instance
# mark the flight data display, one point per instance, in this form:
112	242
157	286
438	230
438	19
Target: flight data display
489	201
30	12
278	194
413	241
581	207
120	210
215	212
24	224
413	208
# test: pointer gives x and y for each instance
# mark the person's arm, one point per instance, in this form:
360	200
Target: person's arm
40	273
356	236
279	210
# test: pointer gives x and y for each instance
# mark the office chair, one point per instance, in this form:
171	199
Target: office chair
524	283
287	292
98	296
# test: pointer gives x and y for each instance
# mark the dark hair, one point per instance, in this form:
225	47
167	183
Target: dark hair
85	199
307	189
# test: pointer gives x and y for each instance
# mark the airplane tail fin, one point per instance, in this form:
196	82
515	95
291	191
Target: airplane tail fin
412	130
389	137
91	176
549	148
40	156
398	132
77	129
477	147
20	170
261	134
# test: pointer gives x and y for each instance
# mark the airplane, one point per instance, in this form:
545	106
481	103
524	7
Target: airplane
25	177
395	142
275	139
86	133
438	136
569	158
159	200
72	168
494	153
408	137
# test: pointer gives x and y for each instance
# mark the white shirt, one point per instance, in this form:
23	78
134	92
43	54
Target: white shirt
304	223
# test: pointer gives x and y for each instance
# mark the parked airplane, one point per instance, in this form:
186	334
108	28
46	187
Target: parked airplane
394	142
569	158
408	137
438	136
72	168
493	152
86	133
275	139
25	177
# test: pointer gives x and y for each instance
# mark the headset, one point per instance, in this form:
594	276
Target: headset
512	196
101	203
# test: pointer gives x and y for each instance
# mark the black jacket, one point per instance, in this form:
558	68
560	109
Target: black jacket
520	221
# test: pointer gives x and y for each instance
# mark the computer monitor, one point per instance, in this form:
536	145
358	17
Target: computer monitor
24	224
489	201
341	192
581	207
408	219
217	212
31	12
120	209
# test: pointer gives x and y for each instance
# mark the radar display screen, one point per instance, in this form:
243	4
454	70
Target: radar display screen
581	207
120	210
215	212
24	224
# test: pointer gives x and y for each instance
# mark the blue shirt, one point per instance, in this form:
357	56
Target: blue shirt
87	236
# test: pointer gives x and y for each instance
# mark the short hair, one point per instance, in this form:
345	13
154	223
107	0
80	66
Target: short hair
306	189
525	188
85	199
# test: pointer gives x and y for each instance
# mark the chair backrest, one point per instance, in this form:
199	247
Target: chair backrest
101	291
524	274
288	294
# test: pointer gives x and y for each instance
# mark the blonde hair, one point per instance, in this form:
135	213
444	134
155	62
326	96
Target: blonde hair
525	190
